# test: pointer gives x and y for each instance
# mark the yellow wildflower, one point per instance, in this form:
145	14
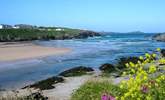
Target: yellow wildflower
152	69
158	49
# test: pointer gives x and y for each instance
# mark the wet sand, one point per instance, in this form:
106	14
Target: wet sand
20	51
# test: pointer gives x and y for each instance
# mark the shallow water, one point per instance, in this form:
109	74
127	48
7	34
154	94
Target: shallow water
87	52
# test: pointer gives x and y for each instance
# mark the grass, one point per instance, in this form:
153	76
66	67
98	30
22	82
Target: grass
92	90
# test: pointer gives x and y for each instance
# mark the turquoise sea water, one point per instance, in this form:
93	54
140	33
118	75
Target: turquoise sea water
90	52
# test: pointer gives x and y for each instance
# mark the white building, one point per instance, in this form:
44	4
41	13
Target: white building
5	26
16	27
59	29
1	26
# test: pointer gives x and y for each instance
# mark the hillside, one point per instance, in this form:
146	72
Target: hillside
11	35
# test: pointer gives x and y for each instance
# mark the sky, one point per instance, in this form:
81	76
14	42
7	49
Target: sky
98	15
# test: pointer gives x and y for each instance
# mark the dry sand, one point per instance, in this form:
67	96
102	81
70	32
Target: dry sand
19	51
62	91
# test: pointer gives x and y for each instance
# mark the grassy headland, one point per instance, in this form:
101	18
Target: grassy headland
11	35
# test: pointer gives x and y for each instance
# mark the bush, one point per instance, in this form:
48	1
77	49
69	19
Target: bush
144	84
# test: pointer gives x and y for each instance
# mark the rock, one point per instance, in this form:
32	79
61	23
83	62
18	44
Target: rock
36	96
107	67
86	34
46	84
159	37
77	71
122	61
162	52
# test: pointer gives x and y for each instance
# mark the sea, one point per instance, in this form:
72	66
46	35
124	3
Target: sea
90	52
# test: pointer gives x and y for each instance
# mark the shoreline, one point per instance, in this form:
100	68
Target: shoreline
18	51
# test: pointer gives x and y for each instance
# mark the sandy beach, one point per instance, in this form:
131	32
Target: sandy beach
62	91
20	51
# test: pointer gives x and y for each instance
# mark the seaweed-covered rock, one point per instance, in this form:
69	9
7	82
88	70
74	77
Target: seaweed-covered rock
163	52
122	61
107	67
46	84
36	96
77	71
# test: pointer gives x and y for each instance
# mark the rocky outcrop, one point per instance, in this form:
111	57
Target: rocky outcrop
159	37
122	61
46	84
36	96
86	34
77	71
163	52
107	67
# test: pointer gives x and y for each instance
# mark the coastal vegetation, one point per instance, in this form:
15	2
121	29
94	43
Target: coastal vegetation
143	80
92	90
12	35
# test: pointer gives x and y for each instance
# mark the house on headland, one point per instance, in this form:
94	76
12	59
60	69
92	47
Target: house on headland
59	29
25	26
1	26
5	26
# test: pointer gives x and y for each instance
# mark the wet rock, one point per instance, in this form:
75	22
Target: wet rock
77	71
86	34
107	67
163	52
46	84
122	61
36	96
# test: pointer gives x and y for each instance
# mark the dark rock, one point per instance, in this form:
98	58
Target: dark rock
86	34
77	71
46	84
163	52
107	68
122	61
159	37
36	96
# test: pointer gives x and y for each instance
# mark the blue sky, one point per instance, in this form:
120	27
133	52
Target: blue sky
99	15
